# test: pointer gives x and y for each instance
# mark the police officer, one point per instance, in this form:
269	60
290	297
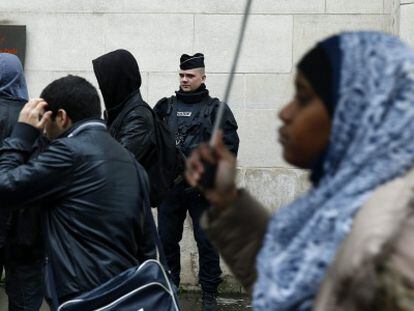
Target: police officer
190	115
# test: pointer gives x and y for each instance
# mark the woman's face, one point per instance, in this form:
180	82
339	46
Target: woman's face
306	127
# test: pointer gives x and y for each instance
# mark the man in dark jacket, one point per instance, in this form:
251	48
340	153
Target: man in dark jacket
20	252
128	116
190	115
93	194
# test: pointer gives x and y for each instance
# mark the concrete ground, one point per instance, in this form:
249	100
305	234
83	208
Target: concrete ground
189	302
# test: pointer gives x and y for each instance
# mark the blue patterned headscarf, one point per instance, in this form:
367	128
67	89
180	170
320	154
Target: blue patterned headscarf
372	142
12	81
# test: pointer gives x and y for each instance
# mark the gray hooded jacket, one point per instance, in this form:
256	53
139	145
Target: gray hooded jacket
13	95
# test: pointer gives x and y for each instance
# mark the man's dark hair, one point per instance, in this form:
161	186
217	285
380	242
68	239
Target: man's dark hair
75	95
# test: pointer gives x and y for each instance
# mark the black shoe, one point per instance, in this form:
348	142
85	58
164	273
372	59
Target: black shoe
209	301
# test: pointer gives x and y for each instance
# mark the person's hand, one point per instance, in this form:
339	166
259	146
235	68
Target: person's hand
224	191
34	114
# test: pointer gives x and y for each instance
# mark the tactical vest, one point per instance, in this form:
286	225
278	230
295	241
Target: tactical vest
199	129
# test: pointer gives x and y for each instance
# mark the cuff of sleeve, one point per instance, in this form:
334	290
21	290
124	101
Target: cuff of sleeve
213	213
243	210
26	133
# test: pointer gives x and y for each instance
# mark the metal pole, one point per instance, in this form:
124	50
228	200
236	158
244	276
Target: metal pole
219	116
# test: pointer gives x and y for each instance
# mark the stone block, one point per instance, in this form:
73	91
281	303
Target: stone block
160	6
43	6
406	23
259	145
156	40
267	45
60	41
183	6
217	83
309	29
144	85
218	6
355	6
276	187
391	5
288	7
37	81
268	91
394	9
161	85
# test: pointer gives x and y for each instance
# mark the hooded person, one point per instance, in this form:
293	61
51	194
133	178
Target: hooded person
21	252
351	122
128	116
13	92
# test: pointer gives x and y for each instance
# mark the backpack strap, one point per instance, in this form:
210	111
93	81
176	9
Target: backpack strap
171	104
209	107
164	107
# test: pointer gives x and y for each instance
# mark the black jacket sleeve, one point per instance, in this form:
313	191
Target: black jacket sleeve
23	183
229	126
137	133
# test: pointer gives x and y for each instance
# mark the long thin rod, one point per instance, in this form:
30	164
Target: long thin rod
219	116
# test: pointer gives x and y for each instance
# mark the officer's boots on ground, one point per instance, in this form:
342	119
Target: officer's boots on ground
209	301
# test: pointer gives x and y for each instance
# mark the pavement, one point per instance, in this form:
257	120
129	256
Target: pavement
189	302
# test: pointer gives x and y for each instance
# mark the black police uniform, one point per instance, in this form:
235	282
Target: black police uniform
191	117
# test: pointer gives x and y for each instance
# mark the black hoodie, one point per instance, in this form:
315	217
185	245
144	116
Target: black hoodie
129	120
129	117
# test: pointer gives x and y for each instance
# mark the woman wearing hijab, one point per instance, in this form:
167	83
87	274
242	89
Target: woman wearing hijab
21	255
351	122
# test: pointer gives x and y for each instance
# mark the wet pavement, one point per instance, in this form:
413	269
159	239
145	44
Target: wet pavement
192	302
189	302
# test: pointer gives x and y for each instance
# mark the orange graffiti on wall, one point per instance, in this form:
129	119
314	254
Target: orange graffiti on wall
10	51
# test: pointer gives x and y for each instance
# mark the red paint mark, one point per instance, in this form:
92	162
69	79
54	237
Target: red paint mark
10	51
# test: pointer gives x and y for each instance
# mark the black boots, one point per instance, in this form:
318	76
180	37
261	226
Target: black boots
209	301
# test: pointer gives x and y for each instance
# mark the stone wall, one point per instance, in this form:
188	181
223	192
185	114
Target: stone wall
64	36
405	13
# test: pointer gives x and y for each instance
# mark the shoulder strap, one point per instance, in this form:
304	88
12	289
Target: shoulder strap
209	106
171	102
164	106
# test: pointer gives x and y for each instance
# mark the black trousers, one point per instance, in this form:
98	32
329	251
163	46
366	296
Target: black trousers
24	285
171	215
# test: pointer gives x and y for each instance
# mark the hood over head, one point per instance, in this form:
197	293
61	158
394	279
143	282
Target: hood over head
12	81
118	76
